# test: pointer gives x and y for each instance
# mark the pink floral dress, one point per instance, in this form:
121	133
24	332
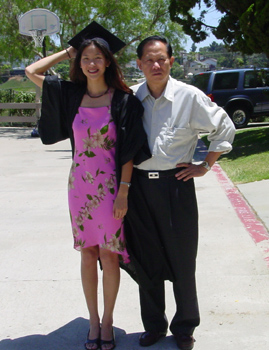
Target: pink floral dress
92	186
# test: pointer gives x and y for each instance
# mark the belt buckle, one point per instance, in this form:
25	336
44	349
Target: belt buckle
153	175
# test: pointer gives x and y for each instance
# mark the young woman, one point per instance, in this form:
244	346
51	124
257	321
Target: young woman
97	111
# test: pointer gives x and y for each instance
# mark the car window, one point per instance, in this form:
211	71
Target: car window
265	77
224	81
253	79
201	81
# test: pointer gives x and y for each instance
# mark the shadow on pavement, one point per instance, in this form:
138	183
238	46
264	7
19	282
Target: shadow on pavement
68	337
72	336
19	133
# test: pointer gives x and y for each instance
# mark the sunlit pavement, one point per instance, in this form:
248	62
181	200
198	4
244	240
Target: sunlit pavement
42	303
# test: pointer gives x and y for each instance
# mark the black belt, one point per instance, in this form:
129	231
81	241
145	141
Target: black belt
152	174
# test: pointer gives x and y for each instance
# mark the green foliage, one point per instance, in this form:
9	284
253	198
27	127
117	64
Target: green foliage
131	20
21	97
6	96
215	47
243	27
13	46
4	69
63	69
177	71
3	79
229	59
9	95
4	72
239	62
193	47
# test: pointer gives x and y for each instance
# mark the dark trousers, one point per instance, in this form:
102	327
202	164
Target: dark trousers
163	241
152	302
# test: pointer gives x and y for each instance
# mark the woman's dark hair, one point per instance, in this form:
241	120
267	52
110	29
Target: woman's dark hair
141	46
113	74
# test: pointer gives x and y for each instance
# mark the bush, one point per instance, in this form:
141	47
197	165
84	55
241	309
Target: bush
9	96
25	97
6	96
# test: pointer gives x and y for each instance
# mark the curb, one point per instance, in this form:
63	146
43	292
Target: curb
245	212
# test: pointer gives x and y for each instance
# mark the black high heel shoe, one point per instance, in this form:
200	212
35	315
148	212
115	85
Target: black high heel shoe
109	342
92	341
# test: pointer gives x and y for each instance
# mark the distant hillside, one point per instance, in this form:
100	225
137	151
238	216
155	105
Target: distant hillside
18	83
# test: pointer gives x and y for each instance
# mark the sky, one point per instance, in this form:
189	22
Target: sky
212	17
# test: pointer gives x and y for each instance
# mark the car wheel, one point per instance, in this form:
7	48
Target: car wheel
239	115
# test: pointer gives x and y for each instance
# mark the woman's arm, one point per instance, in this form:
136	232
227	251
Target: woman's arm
35	72
121	204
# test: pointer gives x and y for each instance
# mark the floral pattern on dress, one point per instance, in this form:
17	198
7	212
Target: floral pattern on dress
97	140
92	186
115	243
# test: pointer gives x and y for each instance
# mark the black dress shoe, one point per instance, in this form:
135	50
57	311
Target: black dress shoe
185	341
150	338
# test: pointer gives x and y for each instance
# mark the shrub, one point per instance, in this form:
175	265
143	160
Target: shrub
9	95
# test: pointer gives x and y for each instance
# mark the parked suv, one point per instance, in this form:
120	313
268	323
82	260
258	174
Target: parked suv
243	93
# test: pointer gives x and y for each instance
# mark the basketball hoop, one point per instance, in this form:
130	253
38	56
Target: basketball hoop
38	36
38	23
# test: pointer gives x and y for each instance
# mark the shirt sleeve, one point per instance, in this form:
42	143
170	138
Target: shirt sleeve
208	117
52	125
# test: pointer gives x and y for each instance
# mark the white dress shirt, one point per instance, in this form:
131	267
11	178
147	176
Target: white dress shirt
174	121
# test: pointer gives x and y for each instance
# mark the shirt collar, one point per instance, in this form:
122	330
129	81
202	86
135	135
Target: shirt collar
142	92
168	93
169	90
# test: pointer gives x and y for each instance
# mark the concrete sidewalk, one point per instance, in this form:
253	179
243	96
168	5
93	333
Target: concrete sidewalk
42	303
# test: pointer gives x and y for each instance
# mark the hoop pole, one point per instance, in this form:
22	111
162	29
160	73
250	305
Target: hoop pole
44	46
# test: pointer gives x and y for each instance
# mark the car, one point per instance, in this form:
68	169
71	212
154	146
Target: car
243	93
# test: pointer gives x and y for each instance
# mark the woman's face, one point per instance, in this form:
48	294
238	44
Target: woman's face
93	62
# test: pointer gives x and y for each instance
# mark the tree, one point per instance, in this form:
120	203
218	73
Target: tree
228	59
243	27
193	47
129	19
215	47
177	71
13	46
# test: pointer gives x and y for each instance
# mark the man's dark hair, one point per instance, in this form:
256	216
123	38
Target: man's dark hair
141	46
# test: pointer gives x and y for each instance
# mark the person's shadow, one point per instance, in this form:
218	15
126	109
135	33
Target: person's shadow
72	336
65	338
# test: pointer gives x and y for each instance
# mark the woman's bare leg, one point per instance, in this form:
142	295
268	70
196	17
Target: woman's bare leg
111	281
89	277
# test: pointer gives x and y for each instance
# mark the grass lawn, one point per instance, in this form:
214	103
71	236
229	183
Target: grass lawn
249	159
19	84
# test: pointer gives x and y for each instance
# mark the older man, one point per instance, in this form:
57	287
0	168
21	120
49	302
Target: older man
162	221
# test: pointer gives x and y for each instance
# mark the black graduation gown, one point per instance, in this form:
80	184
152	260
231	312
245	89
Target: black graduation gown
60	102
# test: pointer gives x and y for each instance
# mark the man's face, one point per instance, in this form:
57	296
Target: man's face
155	62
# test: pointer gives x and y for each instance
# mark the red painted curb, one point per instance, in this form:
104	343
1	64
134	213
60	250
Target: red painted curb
255	228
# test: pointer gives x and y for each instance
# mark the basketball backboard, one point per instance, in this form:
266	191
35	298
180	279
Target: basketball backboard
38	23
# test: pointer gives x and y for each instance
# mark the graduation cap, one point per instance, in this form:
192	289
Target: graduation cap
96	31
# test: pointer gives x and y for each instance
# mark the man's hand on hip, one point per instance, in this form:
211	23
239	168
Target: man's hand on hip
190	171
